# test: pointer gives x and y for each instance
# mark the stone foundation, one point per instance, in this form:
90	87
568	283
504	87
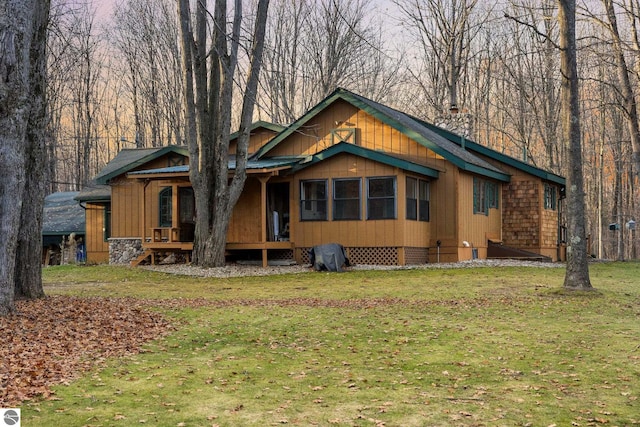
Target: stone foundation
124	250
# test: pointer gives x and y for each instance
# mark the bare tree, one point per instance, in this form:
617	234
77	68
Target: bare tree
283	61
312	47
145	36
630	104
21	29
208	88
75	99
444	32
577	273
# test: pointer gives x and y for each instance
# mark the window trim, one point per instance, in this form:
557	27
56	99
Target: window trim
479	197
106	226
335	199
550	197
165	196
486	195
411	202
493	196
394	197
427	200
325	200
421	203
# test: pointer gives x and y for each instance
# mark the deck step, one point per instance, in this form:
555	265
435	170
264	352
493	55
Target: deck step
143	256
499	251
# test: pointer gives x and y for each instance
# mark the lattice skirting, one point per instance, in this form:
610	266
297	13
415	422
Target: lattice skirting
280	254
414	256
374	256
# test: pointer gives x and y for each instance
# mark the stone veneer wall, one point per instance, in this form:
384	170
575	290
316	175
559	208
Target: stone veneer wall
520	214
124	250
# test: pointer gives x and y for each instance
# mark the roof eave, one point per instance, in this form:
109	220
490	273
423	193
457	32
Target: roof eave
274	127
379	157
104	180
157	175
496	155
97	199
487	173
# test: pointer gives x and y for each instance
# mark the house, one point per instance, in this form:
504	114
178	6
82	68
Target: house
391	188
114	205
63	227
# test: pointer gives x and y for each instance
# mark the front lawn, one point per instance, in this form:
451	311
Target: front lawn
469	347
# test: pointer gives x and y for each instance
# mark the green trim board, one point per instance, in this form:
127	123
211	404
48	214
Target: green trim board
267	164
377	156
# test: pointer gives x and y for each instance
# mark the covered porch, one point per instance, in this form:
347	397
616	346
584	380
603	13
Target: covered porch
168	218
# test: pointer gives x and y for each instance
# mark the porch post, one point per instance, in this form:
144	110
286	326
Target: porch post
263	218
175	214
144	212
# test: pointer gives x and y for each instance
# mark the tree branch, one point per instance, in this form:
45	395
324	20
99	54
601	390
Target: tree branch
532	27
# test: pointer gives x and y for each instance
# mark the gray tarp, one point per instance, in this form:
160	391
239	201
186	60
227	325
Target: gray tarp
329	257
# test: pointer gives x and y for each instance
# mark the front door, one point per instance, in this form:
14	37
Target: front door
278	215
187	208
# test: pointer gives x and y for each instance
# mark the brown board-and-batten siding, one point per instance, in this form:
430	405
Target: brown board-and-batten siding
324	130
475	228
96	244
379	241
135	202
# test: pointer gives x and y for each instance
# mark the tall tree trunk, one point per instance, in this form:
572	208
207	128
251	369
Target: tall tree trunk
626	89
28	273
16	29
208	90
577	273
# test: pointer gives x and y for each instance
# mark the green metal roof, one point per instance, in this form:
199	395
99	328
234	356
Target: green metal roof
496	155
269	163
378	156
130	158
405	124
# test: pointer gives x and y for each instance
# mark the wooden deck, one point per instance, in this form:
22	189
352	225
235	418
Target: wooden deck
152	249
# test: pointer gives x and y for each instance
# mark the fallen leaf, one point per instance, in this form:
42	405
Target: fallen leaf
56	339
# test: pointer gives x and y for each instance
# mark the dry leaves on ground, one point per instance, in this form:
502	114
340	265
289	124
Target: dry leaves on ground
52	340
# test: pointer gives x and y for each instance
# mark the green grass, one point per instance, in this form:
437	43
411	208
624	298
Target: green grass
468	347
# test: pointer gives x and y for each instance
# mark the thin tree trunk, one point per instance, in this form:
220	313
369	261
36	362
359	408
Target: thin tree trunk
577	273
630	105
